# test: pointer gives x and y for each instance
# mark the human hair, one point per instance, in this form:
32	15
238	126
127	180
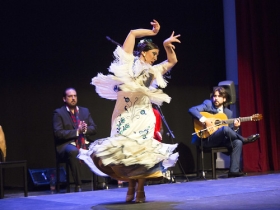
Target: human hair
145	45
64	93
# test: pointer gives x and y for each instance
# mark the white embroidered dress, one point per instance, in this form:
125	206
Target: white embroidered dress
131	151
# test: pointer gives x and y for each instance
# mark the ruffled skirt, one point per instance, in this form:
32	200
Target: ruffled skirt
130	152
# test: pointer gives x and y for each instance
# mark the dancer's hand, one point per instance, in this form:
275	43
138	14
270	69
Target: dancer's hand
156	26
168	42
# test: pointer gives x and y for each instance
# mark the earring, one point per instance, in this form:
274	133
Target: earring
144	55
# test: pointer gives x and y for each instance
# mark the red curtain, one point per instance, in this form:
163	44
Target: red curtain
258	49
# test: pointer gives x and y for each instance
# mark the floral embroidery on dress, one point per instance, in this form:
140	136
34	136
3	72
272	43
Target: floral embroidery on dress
121	126
144	132
132	108
143	112
132	112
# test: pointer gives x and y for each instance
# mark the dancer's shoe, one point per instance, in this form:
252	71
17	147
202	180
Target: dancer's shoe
130	194
140	197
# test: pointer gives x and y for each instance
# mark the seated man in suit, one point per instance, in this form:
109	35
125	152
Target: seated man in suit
73	127
224	136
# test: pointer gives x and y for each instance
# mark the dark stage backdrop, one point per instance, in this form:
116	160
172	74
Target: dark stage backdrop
50	45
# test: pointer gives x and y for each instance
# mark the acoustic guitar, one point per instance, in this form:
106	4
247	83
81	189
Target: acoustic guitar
218	120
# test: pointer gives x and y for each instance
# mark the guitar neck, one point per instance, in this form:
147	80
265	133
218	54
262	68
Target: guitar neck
242	119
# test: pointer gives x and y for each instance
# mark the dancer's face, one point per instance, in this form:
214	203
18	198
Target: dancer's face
150	56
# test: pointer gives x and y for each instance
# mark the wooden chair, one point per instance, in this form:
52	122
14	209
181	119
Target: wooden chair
58	165
59	182
200	158
10	164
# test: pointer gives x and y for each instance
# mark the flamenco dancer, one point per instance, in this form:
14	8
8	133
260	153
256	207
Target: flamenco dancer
131	153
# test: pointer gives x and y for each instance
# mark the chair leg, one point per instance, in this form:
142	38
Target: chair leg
214	158
25	180
57	177
67	178
1	183
213	164
94	181
197	161
106	183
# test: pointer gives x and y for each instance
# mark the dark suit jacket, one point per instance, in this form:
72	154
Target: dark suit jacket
206	106
64	128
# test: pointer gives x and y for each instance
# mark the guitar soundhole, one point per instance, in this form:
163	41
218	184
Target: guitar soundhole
217	122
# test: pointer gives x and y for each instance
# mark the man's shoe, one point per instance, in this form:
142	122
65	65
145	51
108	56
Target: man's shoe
251	138
236	174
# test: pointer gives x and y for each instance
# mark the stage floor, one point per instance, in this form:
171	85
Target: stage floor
261	191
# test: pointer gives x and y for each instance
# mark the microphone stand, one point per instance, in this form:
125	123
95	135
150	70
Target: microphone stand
171	137
113	41
116	43
202	154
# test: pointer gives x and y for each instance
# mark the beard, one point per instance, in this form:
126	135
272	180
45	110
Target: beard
72	104
217	104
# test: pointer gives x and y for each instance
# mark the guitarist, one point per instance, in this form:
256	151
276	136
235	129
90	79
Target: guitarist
224	136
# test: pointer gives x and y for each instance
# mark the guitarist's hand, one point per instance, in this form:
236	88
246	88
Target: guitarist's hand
209	125
236	124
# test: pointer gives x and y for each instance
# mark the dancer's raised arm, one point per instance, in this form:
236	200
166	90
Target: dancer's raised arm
129	42
169	48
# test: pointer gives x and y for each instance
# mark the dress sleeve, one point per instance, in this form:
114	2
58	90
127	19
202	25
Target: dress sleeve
121	67
158	71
